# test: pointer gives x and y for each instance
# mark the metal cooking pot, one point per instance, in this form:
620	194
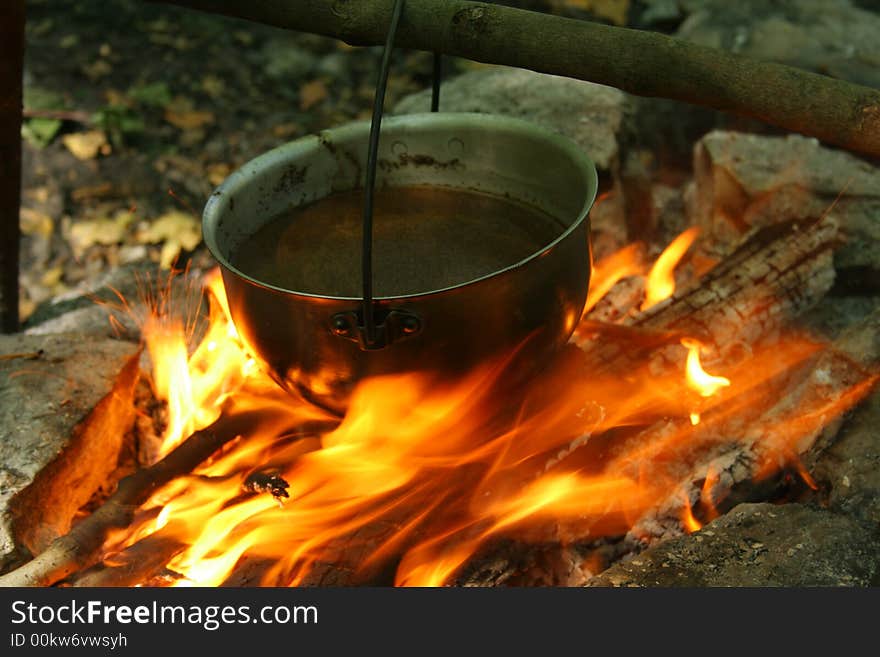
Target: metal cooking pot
314	345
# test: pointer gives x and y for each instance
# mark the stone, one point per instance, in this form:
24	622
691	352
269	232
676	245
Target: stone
66	403
832	38
589	114
848	472
286	62
759	545
742	181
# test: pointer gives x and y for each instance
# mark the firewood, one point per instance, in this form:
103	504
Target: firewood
80	548
640	62
775	274
726	460
133	565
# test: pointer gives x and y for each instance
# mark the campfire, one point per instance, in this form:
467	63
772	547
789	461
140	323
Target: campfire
689	386
684	390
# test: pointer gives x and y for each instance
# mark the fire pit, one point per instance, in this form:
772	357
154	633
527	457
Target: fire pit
647	427
697	404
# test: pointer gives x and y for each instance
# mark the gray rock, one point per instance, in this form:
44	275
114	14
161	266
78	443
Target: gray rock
833	38
759	545
334	65
65	406
589	114
849	470
744	180
286	62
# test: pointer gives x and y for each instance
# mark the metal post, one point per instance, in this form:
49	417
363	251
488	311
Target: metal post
11	75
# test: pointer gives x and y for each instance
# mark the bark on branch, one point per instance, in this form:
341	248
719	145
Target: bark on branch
639	62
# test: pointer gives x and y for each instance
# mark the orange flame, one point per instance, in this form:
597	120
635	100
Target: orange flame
195	385
606	273
691	524
426	473
660	283
698	379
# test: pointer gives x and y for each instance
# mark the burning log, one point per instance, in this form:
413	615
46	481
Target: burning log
80	547
146	559
640	62
134	565
740	454
776	273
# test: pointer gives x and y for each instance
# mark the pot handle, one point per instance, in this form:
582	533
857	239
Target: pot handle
394	325
371	327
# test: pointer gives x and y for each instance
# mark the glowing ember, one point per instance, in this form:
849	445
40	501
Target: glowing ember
660	284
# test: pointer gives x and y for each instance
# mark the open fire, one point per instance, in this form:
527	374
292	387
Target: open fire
645	419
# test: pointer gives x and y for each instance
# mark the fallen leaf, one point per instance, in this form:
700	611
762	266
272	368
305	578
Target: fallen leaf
118	98
192	137
104	230
188	119
217	173
213	86
176	230
286	130
26	308
86	145
89	192
39	194
35	223
312	93
52	276
97	69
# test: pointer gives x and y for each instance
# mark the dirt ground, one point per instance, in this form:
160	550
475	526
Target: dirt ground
136	111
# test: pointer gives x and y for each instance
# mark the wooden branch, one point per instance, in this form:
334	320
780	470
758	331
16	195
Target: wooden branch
11	70
61	115
80	547
640	62
134	565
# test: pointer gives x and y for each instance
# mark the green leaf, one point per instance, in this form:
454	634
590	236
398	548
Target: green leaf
152	95
118	122
40	132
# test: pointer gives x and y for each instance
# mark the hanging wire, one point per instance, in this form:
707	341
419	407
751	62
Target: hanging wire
435	82
370	181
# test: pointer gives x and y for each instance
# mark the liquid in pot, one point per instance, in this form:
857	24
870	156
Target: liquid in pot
424	239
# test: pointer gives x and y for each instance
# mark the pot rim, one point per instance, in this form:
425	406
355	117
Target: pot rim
216	204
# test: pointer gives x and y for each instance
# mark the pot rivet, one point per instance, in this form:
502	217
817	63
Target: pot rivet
341	326
410	325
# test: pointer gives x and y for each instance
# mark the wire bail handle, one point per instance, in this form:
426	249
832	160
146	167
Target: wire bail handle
373	327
